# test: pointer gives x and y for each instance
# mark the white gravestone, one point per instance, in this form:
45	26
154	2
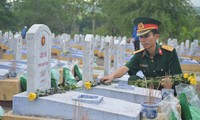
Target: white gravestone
120	39
187	43
95	42
107	55
5	39
116	54
1	38
10	40
102	43
60	41
192	48
18	46
66	44
0	34
175	43
63	45
69	37
76	38
5	36
169	42
122	51
38	58
187	46
98	41
182	48
81	37
88	58
196	43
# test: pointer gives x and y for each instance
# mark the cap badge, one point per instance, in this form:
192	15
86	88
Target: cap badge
140	26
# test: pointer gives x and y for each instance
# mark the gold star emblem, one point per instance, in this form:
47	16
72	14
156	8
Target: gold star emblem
140	26
43	40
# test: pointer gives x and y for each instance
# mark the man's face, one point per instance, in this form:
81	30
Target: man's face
148	40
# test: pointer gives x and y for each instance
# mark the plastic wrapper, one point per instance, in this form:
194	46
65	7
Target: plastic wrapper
68	76
185	111
189	100
180	87
55	75
195	112
168	108
1	112
192	96
23	79
77	72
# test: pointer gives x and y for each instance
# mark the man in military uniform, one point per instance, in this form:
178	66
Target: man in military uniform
154	60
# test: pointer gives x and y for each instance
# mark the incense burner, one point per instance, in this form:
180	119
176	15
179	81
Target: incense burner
149	110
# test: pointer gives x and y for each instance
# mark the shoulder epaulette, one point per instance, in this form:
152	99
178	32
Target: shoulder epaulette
138	51
167	47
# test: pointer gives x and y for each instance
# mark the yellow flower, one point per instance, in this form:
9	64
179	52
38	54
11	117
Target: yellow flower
88	85
185	75
32	96
189	78
193	81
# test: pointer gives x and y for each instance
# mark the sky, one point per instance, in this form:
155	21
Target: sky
196	2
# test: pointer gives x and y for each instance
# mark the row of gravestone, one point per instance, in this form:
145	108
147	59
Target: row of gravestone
185	48
61	42
109	45
38	77
39	57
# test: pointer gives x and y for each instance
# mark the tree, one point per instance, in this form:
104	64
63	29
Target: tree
112	17
74	12
174	15
7	21
47	12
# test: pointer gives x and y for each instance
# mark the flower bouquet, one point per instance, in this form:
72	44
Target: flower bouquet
185	78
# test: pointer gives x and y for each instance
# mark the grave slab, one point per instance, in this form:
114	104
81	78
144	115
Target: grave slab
123	92
66	108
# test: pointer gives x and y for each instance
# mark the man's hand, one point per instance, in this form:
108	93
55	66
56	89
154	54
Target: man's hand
166	83
107	79
117	74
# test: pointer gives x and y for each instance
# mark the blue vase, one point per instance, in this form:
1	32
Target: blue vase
149	110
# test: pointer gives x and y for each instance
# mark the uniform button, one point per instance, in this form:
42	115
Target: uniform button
154	71
161	70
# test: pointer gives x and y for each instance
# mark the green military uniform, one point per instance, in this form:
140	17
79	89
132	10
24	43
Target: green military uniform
165	61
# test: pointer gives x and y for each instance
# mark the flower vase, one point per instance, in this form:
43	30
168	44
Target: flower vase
149	110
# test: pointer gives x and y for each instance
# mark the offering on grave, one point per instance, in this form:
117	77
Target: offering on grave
32	96
88	85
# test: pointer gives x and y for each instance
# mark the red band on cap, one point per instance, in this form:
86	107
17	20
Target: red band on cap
142	27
